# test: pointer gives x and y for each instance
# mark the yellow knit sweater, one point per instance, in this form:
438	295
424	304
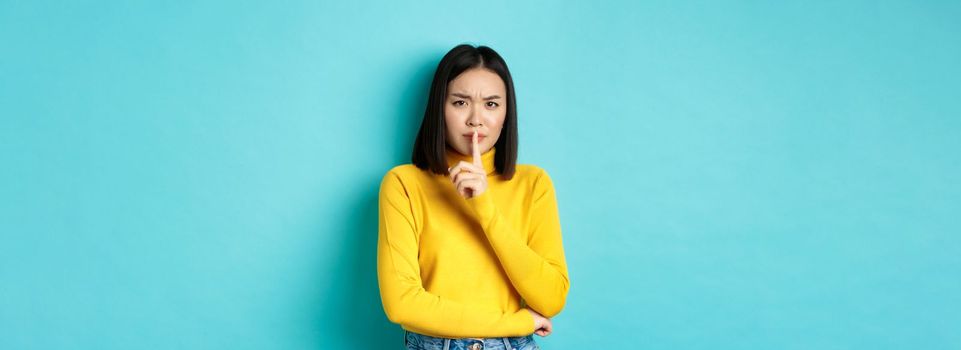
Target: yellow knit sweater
453	267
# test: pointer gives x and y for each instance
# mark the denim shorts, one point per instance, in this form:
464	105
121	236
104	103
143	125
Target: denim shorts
417	341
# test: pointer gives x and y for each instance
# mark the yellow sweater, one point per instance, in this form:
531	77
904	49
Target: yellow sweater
453	267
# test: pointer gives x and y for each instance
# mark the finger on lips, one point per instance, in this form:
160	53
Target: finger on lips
475	149
468	176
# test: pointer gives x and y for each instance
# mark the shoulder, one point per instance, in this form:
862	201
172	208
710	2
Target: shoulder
400	173
403	175
533	174
403	170
528	170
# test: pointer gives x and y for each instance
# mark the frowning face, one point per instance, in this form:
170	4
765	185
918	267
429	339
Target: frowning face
476	100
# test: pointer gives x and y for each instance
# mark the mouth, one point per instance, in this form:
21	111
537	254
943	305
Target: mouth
469	137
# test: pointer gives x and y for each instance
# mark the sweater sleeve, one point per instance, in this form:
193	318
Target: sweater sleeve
404	298
537	268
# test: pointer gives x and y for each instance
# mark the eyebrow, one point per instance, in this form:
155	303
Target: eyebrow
491	97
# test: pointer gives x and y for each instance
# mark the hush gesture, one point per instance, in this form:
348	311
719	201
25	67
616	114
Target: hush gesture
470	179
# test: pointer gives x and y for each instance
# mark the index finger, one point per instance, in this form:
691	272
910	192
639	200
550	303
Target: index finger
477	155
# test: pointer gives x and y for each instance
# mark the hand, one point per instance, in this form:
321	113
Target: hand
470	179
542	325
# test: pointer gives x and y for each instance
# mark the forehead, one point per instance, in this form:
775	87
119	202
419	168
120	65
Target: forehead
477	81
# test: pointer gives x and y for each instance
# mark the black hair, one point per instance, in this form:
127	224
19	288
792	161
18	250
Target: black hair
429	148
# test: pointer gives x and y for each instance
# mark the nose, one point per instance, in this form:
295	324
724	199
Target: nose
473	120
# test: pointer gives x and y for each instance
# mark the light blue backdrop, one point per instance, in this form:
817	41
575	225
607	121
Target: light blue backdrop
731	175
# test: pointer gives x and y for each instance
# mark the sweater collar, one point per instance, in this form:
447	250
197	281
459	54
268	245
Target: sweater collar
454	157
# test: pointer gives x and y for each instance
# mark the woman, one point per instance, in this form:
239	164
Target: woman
469	251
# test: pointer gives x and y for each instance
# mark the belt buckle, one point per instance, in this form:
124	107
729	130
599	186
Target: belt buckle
475	346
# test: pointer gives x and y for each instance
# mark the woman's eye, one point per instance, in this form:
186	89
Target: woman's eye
492	104
458	103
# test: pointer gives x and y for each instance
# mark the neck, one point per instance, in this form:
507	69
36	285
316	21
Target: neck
487	159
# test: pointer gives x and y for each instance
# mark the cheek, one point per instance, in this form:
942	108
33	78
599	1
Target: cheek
450	118
450	133
498	120
453	116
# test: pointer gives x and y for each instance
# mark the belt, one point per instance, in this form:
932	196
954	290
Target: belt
477	346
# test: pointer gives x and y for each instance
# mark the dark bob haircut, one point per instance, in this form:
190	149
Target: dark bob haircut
429	148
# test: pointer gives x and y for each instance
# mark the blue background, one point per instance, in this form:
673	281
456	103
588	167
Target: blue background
730	175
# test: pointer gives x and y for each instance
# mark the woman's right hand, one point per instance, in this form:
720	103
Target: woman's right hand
542	325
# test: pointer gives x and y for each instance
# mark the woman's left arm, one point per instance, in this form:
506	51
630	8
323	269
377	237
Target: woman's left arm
537	268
